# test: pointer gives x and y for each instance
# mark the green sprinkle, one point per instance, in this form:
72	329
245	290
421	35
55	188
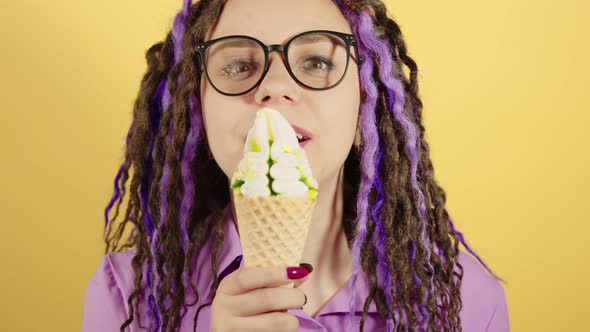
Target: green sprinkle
307	182
255	146
270	179
237	183
238	191
312	194
286	148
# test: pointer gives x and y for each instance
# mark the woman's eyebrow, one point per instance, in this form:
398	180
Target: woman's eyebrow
312	38
237	42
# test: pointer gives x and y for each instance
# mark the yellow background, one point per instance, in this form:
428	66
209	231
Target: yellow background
503	84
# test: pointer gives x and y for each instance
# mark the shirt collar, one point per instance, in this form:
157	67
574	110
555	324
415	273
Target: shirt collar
230	259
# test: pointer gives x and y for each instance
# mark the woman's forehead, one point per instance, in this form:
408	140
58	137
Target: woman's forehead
276	21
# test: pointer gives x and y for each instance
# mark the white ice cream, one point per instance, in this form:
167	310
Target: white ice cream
273	162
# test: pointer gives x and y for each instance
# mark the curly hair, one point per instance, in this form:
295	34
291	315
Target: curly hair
399	231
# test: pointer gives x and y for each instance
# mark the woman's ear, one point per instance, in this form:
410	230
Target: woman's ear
357	138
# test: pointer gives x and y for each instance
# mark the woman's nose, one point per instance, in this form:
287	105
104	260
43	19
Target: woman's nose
277	82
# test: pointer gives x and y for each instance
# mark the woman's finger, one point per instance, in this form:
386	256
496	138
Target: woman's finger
264	300
247	279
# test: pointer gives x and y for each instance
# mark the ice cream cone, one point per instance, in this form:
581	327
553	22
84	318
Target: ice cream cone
274	194
273	230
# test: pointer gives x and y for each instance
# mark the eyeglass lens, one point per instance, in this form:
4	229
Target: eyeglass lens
318	60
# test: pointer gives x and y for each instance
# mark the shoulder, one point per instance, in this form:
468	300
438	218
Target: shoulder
477	283
483	297
115	270
105	299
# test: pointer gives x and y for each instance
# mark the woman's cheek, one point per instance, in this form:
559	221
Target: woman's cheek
336	142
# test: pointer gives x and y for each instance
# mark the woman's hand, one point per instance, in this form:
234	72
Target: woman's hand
251	299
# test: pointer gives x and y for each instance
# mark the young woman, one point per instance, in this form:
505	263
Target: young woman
382	250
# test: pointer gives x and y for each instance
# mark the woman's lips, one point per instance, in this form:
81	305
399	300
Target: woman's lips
306	134
301	144
304	143
302	131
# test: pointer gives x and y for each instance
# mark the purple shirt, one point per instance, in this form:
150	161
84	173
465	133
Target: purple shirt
105	302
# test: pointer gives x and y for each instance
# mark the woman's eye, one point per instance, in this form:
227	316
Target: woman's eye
238	68
318	63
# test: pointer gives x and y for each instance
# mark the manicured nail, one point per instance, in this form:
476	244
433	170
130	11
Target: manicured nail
308	266
297	272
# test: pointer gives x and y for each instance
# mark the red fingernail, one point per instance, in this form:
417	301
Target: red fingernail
308	266
297	272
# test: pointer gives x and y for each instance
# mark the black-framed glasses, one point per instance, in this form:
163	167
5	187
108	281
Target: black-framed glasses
237	64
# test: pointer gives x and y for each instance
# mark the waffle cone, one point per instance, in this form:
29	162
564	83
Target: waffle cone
273	230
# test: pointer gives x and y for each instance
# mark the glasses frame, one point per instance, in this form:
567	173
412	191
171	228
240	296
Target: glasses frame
349	40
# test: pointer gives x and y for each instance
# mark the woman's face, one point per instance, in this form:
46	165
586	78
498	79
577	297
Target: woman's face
329	115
